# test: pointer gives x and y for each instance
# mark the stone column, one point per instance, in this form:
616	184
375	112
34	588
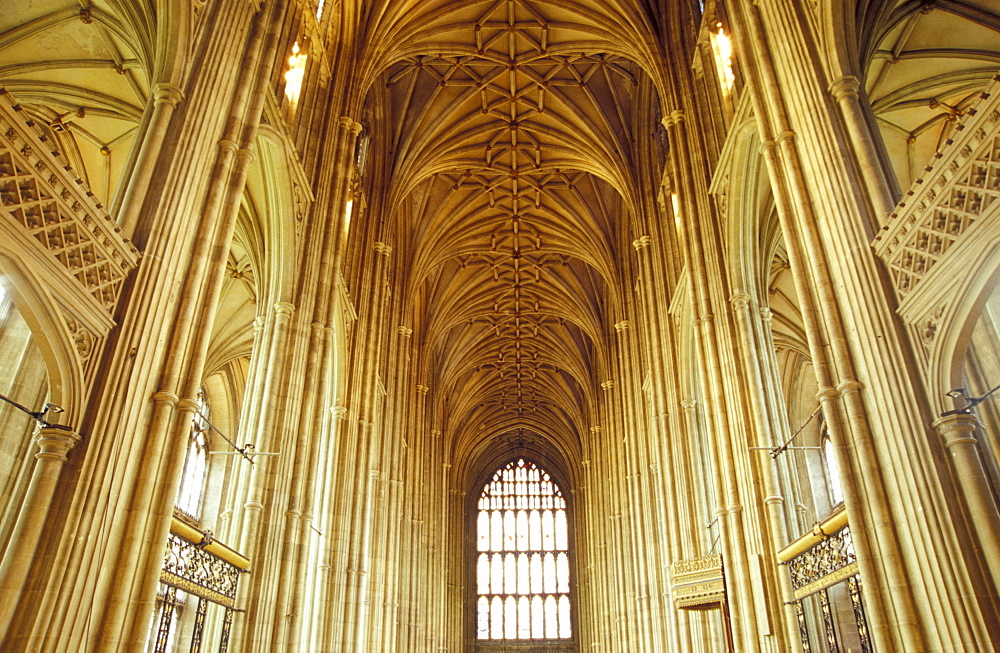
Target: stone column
642	558
698	246
615	544
392	528
896	500
252	513
662	478
877	182
54	443
166	97
697	538
411	636
959	434
764	419
357	520
325	574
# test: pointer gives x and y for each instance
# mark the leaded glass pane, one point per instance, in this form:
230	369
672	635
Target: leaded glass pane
523	570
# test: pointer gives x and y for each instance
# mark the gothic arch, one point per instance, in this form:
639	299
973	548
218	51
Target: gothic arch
47	321
490	465
743	195
954	320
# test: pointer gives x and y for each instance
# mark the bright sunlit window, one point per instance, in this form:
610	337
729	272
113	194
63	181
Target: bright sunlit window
296	72
832	471
723	49
189	494
522	565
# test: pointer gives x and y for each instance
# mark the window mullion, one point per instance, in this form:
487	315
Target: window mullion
522	557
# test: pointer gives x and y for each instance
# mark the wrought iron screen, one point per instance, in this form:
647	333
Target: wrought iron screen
190	568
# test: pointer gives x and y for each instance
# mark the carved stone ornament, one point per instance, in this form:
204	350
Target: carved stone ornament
58	211
83	339
959	187
697	583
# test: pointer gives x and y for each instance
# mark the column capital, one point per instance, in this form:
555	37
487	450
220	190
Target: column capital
641	242
383	248
673	118
740	301
787	135
607	385
284	308
55	442
959	428
826	394
165	397
404	331
188	404
849	387
246	155
621	326
164	93
350	124
845	87
422	389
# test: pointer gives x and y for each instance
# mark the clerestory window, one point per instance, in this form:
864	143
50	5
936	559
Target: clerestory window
722	47
192	487
522	564
832	469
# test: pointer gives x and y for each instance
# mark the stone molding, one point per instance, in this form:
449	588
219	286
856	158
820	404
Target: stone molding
956	191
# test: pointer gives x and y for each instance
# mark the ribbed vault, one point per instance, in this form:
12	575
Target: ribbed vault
509	137
927	63
82	70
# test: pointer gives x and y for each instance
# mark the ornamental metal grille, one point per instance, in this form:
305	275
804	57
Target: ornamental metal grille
189	567
820	570
522	568
825	563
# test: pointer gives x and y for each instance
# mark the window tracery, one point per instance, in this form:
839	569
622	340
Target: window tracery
192	487
522	566
832	470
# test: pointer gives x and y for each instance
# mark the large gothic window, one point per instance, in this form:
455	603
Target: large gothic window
522	565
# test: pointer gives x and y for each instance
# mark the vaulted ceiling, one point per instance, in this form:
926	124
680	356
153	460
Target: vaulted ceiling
510	138
81	70
927	63
512	152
